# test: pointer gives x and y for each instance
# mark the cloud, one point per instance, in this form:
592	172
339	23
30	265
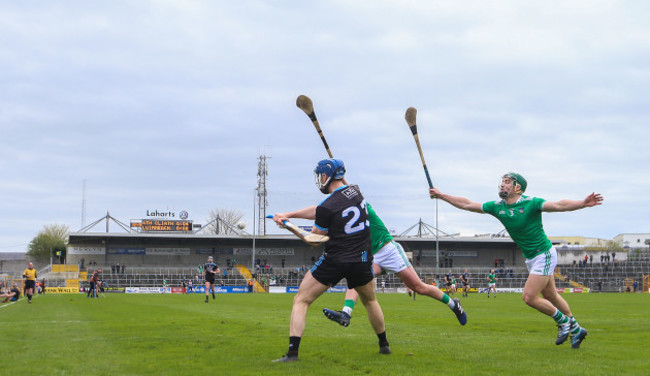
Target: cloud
161	104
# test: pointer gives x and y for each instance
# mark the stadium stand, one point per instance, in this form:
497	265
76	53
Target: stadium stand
288	269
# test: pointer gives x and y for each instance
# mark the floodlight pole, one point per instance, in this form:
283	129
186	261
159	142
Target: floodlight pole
254	227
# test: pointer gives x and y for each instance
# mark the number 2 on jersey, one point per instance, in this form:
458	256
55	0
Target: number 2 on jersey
353	225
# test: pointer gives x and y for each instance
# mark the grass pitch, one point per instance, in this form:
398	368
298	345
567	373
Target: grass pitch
239	334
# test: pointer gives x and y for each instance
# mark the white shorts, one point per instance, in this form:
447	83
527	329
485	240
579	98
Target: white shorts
391	258
492	284
544	263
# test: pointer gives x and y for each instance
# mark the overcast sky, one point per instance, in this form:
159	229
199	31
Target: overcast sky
167	105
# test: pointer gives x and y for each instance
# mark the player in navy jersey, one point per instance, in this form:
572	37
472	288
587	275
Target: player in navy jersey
210	270
465	280
347	254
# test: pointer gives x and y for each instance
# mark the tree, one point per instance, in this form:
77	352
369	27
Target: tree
50	240
614	246
226	221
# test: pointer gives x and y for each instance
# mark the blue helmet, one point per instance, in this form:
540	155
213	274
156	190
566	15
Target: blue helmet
332	168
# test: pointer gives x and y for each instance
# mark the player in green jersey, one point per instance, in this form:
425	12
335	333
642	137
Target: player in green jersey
492	283
522	217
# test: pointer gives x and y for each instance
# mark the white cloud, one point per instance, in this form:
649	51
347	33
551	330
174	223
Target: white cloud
163	104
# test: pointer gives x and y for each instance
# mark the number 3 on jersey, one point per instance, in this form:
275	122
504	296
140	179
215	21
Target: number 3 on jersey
353	225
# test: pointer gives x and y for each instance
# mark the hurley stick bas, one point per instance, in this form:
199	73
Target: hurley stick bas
307	106
411	115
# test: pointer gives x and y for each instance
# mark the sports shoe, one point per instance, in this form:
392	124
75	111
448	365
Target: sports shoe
385	350
286	359
577	340
207	299
563	331
338	316
460	312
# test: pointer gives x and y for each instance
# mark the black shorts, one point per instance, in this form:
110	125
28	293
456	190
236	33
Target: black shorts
29	284
330	273
211	280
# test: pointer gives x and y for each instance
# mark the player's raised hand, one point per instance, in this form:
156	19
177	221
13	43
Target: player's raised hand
593	199
434	192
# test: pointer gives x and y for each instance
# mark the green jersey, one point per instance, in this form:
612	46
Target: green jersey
379	235
492	278
523	220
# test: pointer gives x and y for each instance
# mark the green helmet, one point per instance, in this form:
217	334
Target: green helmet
517	179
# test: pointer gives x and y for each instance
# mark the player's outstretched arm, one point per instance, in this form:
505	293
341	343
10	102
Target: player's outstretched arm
459	202
569	205
304	213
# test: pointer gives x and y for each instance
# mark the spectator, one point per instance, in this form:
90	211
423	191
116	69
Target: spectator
12	295
591	260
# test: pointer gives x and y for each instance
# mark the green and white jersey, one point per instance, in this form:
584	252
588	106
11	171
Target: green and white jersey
523	220
379	235
492	278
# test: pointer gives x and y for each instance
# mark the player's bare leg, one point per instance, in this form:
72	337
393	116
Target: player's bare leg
310	289
375	314
545	285
411	279
207	291
532	290
550	293
577	333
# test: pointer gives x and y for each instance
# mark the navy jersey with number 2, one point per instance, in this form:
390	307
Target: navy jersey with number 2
345	218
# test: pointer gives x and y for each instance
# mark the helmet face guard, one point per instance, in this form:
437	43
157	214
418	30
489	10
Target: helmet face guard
519	184
319	182
332	168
